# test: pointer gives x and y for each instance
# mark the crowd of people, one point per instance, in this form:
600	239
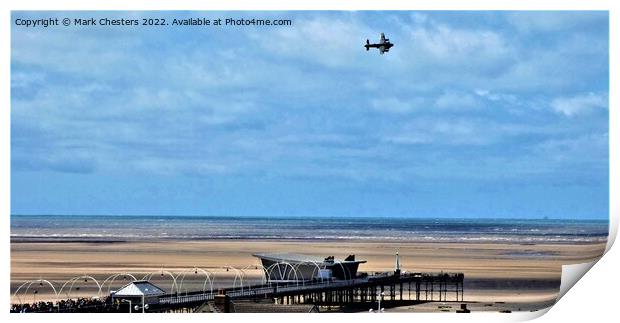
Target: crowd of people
69	305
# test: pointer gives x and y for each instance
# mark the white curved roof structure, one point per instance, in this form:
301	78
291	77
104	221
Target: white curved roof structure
139	288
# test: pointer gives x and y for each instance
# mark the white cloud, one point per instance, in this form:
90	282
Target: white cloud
330	41
579	104
395	105
541	21
441	131
287	99
451	100
445	42
586	150
457	53
25	79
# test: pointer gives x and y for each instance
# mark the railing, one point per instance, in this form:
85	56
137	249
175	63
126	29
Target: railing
274	288
186	298
260	290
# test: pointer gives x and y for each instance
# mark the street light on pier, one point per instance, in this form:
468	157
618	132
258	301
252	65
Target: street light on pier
127	301
379	309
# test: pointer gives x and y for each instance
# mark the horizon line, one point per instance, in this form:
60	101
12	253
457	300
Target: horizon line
328	216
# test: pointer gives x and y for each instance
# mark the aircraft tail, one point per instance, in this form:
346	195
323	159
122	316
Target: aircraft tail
367	44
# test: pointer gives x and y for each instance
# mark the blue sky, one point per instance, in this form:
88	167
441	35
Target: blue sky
471	114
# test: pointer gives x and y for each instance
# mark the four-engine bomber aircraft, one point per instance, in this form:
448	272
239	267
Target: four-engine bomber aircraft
384	45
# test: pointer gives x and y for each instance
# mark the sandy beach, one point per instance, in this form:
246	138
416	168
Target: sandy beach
525	276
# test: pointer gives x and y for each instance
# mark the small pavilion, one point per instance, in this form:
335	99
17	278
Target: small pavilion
139	292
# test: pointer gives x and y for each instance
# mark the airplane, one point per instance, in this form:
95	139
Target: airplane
384	45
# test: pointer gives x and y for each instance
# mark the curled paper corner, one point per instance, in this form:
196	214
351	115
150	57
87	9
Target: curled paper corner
528	316
571	274
613	231
521	316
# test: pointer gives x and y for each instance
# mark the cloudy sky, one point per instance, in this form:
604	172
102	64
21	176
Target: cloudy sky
471	114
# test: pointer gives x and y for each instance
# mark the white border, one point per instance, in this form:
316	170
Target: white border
589	302
315	5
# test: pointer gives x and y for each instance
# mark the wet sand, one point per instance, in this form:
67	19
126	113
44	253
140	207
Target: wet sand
519	275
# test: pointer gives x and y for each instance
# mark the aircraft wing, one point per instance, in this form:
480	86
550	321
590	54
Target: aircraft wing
381	50
382	41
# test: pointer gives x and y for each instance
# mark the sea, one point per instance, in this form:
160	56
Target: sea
113	228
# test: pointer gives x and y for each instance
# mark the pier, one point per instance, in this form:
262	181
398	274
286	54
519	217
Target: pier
294	283
394	290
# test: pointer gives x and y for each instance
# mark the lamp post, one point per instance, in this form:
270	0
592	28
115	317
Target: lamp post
379	309
127	301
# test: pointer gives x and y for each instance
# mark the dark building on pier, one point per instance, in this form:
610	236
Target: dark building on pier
290	267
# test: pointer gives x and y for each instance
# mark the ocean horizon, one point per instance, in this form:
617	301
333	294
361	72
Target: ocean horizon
179	227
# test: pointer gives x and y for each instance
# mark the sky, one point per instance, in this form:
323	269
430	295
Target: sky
470	114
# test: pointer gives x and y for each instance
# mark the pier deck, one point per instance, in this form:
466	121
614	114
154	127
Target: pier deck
406	288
